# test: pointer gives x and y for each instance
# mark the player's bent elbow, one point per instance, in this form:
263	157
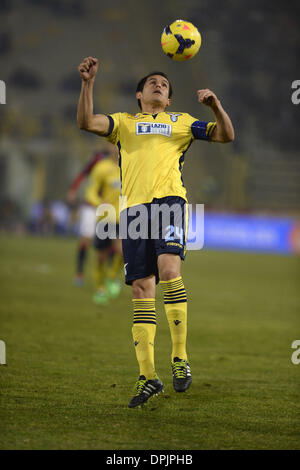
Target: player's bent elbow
81	123
96	124
231	137
85	126
223	139
228	137
94	130
81	126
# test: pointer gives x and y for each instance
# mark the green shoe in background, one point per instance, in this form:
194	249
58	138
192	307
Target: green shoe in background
100	297
113	288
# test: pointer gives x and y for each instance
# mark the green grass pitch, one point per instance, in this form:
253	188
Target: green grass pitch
71	365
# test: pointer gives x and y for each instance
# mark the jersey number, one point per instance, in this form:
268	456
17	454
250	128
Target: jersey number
174	232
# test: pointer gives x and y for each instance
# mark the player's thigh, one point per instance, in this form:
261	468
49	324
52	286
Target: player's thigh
139	259
169	266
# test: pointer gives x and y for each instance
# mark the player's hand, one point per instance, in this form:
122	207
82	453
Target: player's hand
207	97
88	68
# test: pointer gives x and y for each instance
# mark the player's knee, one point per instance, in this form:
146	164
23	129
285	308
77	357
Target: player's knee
138	290
168	273
141	289
84	243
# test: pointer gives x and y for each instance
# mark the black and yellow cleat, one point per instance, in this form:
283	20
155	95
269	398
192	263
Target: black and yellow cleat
145	389
182	377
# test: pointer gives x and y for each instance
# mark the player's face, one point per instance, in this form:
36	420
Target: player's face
156	91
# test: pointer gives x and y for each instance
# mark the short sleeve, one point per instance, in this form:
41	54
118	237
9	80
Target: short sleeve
113	134
203	130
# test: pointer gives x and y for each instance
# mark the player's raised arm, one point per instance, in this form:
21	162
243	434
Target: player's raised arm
86	119
223	131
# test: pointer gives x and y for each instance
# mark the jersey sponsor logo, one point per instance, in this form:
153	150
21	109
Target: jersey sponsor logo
146	128
174	116
174	244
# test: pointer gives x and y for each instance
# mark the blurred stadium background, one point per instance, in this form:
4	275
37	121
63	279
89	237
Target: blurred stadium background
248	57
69	370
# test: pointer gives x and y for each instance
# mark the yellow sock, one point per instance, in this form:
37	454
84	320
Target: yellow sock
176	311
115	267
143	332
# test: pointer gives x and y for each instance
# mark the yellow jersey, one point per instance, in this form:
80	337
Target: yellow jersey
151	152
104	185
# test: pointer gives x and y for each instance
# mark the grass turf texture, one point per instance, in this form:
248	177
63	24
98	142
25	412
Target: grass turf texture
71	365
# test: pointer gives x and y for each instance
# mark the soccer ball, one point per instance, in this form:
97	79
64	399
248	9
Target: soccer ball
180	40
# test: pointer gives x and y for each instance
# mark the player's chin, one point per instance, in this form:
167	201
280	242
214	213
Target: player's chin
158	99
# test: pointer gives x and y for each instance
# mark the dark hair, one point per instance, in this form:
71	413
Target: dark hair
141	84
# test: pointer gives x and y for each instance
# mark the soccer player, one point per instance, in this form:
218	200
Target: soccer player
103	187
87	218
152	145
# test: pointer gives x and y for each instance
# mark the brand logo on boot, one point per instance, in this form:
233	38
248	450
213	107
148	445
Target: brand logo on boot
177	322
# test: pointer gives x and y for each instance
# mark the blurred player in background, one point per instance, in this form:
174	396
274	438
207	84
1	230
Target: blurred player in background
86	216
103	187
152	145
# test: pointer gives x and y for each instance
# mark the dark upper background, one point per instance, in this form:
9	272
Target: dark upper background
248	58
